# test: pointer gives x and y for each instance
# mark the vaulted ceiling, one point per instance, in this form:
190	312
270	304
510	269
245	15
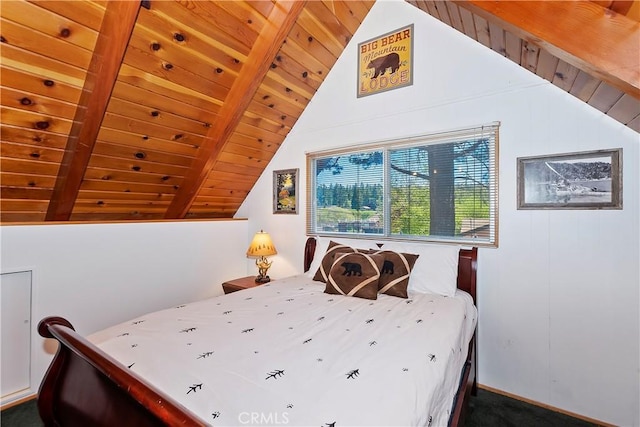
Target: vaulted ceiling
116	110
590	49
143	110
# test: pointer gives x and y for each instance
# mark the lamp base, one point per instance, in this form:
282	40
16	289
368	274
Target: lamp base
262	279
263	266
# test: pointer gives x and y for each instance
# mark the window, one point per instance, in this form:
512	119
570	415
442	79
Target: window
440	187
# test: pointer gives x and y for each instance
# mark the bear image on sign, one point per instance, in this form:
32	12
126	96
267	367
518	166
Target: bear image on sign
381	64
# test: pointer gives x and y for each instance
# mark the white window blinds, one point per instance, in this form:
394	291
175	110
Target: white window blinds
440	187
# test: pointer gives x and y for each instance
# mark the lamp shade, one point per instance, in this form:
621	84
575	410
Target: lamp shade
261	245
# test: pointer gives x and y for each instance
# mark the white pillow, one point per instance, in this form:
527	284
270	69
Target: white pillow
436	269
322	243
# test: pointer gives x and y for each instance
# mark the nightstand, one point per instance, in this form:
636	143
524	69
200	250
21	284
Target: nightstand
240	284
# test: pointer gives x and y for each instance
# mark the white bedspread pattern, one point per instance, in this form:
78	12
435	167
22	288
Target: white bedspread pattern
286	353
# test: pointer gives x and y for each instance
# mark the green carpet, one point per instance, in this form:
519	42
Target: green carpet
491	410
487	410
23	415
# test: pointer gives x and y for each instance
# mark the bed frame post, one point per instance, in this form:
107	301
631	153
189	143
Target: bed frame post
309	250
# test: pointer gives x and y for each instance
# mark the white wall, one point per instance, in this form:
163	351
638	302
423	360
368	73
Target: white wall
97	275
559	299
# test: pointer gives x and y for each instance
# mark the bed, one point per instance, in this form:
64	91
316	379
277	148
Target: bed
349	353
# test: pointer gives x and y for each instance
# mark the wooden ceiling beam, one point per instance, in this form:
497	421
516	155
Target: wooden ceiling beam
282	17
621	6
117	26
582	33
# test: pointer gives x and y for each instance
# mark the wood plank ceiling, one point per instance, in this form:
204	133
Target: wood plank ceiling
590	49
129	110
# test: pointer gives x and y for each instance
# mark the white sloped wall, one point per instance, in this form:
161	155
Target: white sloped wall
559	299
98	275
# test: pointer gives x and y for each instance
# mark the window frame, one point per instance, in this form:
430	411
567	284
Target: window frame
491	131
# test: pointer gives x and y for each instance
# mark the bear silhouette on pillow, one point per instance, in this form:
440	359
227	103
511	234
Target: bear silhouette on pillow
352	269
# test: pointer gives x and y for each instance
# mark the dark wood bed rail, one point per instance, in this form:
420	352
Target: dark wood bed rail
84	386
467	272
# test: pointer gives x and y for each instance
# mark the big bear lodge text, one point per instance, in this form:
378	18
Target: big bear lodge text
382	54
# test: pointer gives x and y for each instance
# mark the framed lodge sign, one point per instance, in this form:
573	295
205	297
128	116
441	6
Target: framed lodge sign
386	62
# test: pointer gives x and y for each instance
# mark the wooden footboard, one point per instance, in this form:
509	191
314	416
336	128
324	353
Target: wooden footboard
86	387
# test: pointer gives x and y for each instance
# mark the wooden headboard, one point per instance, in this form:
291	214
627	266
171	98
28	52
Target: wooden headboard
467	266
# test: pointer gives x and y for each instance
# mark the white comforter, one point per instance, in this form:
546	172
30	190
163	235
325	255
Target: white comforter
288	354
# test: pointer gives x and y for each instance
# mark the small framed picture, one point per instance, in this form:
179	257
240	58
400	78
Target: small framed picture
583	180
285	188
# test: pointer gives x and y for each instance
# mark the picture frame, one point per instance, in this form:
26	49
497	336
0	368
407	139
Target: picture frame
285	188
385	62
579	180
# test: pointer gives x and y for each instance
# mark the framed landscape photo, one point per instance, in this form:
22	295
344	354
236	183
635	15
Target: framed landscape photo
583	180
285	187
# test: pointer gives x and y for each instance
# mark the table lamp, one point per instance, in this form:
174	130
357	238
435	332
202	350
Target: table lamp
261	246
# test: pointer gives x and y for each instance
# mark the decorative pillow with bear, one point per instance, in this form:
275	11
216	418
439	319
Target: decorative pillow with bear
322	244
322	274
395	272
355	274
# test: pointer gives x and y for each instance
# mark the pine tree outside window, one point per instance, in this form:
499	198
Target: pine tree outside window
440	187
